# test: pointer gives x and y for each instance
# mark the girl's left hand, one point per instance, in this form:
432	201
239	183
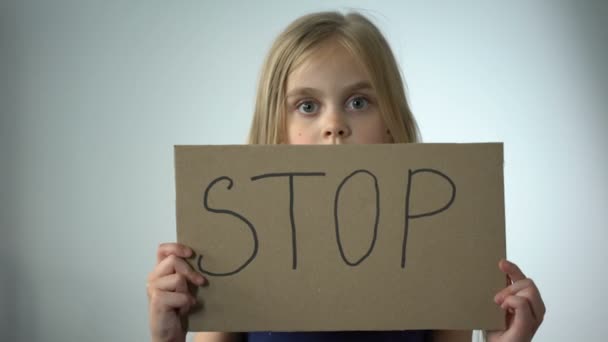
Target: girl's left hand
525	307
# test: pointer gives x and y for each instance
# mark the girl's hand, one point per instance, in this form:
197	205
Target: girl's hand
525	307
168	295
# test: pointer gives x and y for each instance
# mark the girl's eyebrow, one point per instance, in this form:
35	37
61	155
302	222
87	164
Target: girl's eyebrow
308	91
361	85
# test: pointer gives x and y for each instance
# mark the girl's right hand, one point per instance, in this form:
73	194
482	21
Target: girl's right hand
168	295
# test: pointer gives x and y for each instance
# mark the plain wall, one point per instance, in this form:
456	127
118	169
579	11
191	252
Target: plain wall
96	93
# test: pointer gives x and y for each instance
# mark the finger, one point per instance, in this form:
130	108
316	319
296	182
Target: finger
512	290
172	248
162	301
535	302
173	264
525	288
174	282
511	270
523	324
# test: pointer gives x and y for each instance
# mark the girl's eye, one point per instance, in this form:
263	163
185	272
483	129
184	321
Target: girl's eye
307	107
358	103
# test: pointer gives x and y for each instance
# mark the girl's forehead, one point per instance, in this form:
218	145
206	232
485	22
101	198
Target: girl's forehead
330	59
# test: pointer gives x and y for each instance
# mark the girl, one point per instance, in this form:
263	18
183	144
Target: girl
329	79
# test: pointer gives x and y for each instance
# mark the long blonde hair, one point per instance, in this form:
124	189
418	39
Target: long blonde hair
364	40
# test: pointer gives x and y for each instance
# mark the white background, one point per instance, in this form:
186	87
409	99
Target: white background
95	94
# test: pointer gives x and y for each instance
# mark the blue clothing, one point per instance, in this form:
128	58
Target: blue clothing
338	336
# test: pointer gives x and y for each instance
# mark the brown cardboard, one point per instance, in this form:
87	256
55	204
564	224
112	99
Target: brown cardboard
450	272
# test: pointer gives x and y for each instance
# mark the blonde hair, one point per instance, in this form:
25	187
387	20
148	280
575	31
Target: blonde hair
364	40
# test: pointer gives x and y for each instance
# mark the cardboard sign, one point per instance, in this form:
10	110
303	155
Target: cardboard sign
346	237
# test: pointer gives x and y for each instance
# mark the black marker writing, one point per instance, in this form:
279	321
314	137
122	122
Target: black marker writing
409	216
337	225
294	263
232	213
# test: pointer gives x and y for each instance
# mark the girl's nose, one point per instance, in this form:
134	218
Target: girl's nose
336	128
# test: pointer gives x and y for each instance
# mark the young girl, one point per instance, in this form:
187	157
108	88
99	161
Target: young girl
329	79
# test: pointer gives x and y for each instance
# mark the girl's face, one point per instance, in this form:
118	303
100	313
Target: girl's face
330	100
